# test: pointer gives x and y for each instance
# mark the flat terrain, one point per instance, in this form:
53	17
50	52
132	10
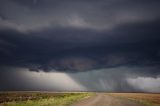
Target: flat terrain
78	99
148	99
40	98
102	99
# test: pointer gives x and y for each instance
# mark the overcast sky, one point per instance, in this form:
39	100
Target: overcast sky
80	45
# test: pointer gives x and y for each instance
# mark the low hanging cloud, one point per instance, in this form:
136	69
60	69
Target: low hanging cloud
146	84
120	79
13	78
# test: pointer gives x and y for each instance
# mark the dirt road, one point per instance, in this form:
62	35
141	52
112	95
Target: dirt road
101	99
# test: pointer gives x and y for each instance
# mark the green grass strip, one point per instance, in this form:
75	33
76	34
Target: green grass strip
57	101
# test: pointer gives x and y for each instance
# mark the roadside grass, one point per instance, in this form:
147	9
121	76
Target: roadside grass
65	100
145	99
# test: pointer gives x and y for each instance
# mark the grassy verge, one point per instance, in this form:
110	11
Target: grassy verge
65	100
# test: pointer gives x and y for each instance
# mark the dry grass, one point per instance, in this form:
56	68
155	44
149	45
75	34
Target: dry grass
144	98
40	98
23	96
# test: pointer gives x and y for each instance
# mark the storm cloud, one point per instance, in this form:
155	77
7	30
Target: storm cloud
83	36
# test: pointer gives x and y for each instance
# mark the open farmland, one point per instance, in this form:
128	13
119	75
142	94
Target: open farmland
147	99
40	98
78	99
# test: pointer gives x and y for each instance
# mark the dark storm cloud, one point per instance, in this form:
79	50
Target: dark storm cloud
134	44
94	39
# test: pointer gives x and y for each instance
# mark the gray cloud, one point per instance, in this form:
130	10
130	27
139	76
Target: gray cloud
104	15
146	84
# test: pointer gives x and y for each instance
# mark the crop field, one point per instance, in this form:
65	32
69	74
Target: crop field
147	99
40	98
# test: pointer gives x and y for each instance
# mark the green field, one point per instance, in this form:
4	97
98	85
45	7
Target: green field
40	98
